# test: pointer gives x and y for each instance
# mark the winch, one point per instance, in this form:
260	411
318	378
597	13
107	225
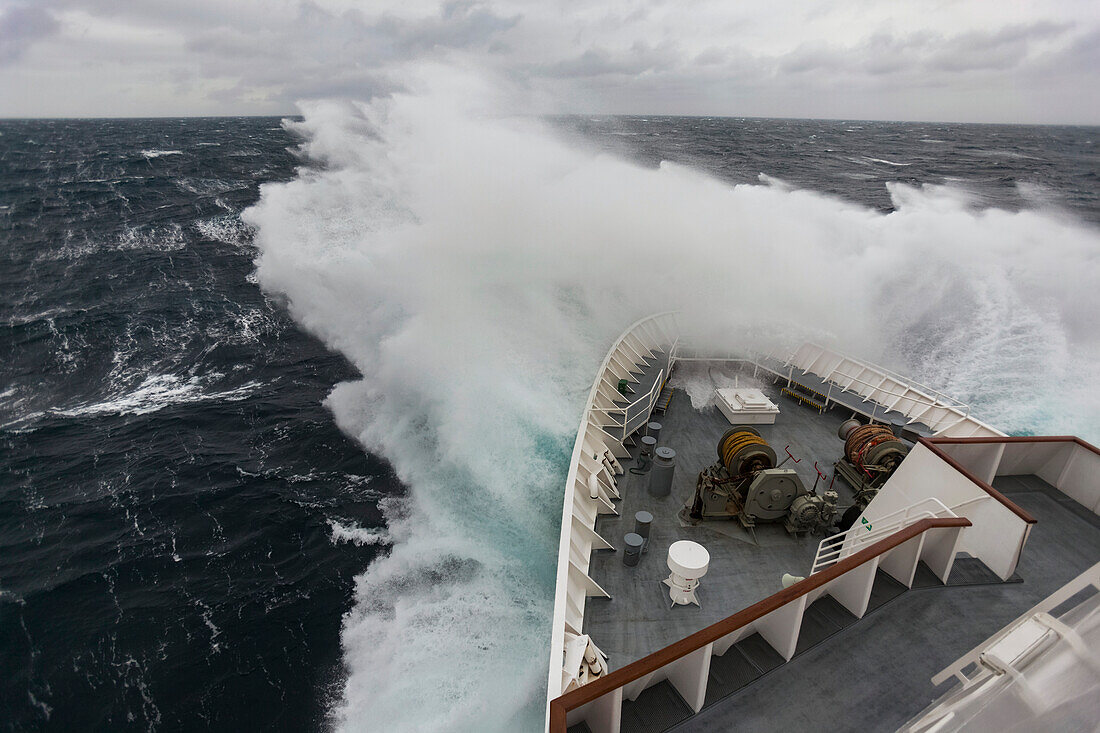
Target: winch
746	483
871	455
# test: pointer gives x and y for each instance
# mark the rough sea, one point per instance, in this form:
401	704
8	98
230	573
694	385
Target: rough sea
285	407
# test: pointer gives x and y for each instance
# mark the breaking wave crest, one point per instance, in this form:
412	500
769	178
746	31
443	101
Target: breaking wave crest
475	269
353	533
156	392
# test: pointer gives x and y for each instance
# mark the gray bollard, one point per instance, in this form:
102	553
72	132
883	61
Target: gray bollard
653	430
642	520
660	474
646	455
632	549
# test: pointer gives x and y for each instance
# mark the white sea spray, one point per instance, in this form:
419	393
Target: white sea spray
475	268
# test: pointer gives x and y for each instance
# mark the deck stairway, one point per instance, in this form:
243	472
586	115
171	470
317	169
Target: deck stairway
661	708
664	399
645	379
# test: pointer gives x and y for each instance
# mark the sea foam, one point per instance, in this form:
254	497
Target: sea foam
476	268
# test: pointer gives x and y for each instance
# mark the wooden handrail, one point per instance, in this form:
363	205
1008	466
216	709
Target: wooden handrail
560	706
933	444
1021	439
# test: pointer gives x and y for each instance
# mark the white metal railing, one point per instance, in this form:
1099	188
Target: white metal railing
1044	667
835	548
650	396
891	391
947	400
955	409
937	398
937	410
912	391
589	489
909	394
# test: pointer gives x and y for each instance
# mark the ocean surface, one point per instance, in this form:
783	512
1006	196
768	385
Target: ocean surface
285	408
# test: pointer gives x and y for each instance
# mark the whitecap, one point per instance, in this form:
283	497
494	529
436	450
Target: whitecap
886	162
225	229
156	392
357	535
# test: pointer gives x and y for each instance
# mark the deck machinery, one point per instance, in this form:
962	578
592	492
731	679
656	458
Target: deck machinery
871	454
747	484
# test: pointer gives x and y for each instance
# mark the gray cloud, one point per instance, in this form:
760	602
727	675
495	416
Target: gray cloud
20	27
638	59
924	52
1003	49
259	56
339	53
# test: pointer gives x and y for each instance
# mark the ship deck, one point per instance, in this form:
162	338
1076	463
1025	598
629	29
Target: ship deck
844	673
871	670
743	569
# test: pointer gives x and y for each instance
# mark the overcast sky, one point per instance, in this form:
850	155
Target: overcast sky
952	60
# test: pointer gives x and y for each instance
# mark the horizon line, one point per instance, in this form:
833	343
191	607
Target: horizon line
299	115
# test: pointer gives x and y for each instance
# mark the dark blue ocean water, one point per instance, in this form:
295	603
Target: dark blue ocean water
169	478
1004	166
167	470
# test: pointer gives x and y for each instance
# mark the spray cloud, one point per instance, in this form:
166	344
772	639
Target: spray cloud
475	268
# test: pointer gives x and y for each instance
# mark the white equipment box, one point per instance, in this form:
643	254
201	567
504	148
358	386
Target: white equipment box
746	406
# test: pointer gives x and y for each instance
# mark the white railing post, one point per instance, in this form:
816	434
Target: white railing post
940	550
605	713
780	627
689	676
853	589
901	562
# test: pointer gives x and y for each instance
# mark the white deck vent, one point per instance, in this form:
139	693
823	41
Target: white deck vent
688	562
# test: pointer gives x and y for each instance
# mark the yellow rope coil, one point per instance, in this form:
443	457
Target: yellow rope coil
734	443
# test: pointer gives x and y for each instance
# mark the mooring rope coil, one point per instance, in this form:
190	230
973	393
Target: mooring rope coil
863	439
742	450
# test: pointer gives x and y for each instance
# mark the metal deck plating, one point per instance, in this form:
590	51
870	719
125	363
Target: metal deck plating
744	568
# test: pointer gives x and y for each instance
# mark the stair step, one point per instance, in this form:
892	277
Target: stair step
657	709
972	571
760	652
728	674
743	663
580	727
884	589
809	391
925	578
823	618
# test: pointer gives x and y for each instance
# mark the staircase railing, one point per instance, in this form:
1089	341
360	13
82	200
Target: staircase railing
834	548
